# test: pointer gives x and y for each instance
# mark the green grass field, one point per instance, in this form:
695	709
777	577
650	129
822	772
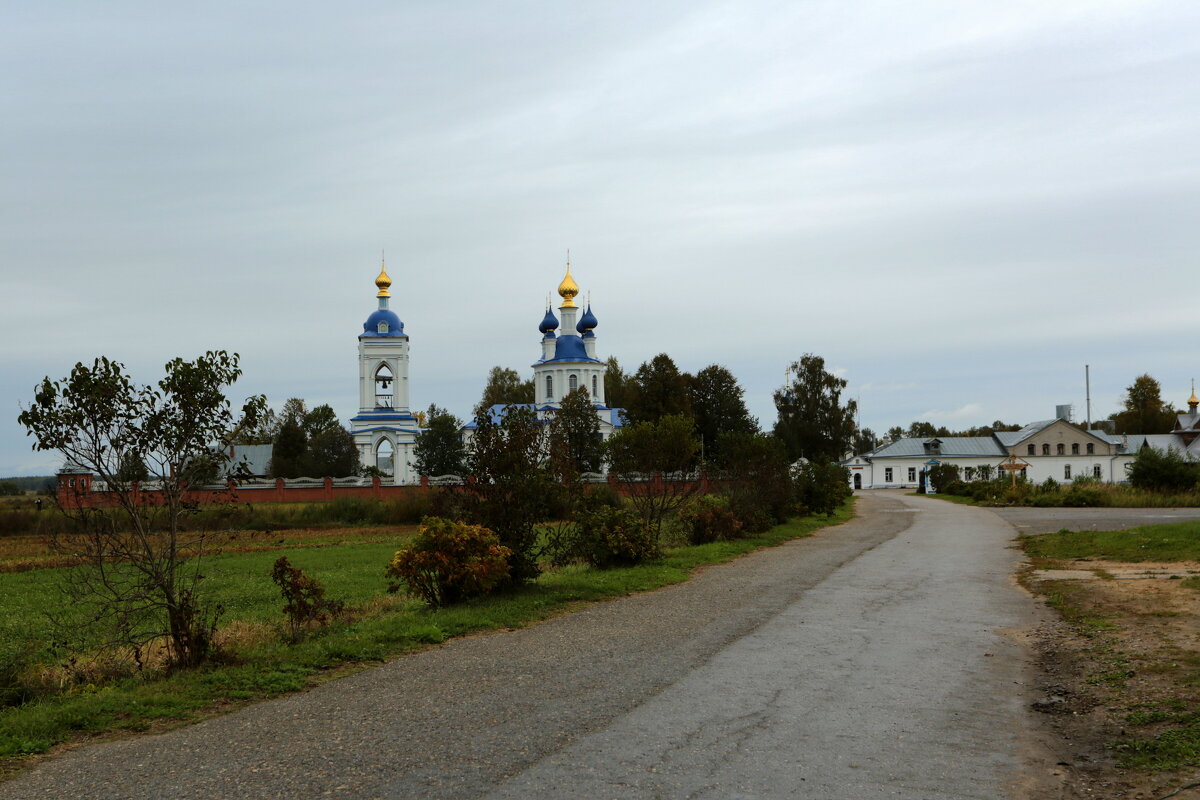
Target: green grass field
1174	542
265	664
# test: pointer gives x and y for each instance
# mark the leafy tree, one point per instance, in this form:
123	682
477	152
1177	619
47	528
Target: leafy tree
439	448
865	441
718	408
139	571
132	469
320	419
291	446
9	489
894	434
264	430
505	386
1144	410
658	389
293	407
616	385
813	422
760	486
822	487
925	430
332	453
667	447
511	490
575	442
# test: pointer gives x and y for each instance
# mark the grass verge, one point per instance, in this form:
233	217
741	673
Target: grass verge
264	666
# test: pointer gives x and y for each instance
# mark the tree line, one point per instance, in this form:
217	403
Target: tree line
814	421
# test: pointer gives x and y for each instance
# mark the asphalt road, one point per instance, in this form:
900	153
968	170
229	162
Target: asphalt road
1052	520
860	663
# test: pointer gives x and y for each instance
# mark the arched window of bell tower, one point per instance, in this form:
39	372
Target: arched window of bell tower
594	392
384	457
572	382
549	387
383	386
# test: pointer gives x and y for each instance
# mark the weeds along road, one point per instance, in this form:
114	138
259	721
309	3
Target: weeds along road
864	662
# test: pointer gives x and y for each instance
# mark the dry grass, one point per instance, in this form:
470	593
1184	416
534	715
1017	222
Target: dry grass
31	551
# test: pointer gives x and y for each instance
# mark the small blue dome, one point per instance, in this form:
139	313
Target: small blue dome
391	324
587	321
549	323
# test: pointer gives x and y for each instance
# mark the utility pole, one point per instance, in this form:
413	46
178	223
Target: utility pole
1087	382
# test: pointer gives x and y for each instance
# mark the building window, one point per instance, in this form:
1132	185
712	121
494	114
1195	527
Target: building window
1095	469
1066	472
383	386
549	387
594	392
382	328
1045	449
1061	449
887	474
1074	448
1091	448
912	474
1033	449
572	382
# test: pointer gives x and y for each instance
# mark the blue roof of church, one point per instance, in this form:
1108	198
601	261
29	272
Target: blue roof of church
371	326
569	347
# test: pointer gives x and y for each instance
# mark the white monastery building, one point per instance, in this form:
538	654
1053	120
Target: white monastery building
1052	448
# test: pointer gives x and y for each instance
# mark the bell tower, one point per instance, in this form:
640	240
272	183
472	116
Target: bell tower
384	428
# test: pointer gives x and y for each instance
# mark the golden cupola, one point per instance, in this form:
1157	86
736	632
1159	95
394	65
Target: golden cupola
568	289
383	281
1193	401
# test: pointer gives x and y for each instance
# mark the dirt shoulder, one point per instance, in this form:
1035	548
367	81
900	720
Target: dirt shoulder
1118	676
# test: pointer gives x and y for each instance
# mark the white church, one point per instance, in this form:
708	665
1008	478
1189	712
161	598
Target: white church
385	428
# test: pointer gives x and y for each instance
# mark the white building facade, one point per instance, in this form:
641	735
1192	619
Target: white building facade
1051	448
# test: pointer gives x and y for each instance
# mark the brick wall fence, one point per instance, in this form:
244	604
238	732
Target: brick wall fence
78	491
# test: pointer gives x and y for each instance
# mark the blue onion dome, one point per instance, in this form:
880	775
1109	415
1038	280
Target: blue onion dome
549	323
587	322
383	322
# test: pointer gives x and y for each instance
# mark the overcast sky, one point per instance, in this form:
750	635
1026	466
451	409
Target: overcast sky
956	204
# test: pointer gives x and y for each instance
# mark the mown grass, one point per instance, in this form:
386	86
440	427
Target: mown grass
267	666
1174	740
1178	541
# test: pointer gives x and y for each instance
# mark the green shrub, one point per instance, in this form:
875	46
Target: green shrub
1163	470
822	488
943	477
603	495
612	537
708	518
1082	495
448	562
